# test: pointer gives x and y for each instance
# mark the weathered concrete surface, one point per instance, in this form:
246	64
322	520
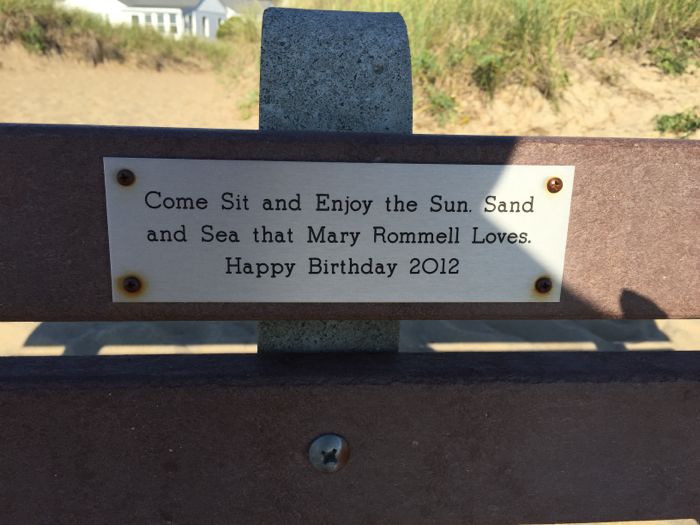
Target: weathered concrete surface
334	71
328	336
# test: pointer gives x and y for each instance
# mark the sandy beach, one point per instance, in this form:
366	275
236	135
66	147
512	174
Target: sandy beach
64	90
605	98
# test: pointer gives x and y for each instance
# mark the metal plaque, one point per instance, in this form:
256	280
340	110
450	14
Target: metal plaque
271	231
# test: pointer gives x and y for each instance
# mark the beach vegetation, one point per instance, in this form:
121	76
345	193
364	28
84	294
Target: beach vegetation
682	124
442	105
531	43
675	59
42	26
248	104
456	45
240	29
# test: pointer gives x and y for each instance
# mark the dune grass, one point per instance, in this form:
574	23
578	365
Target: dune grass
42	26
493	43
487	44
681	124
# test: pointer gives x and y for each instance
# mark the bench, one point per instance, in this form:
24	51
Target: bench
477	437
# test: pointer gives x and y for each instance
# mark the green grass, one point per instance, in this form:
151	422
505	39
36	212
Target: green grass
682	124
240	29
487	44
43	27
442	105
248	104
674	59
493	43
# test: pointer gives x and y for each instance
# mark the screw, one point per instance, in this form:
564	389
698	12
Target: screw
126	177
131	284
329	452
543	285
554	185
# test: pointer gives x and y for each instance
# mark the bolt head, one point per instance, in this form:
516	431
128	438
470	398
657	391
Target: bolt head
543	285
131	284
329	452
125	177
555	185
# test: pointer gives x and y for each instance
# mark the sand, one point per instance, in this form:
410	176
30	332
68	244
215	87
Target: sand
606	98
63	90
614	98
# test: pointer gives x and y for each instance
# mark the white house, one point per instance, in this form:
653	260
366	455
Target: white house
174	17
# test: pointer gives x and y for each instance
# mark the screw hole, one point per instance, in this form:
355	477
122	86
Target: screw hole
555	185
328	452
543	285
126	177
131	284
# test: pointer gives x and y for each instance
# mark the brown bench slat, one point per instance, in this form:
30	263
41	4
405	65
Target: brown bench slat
632	249
457	438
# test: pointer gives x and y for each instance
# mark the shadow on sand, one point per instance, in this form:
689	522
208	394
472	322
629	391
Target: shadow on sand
88	338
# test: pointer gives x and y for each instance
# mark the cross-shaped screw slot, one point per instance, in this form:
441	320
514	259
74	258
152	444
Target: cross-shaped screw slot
329	452
329	457
554	185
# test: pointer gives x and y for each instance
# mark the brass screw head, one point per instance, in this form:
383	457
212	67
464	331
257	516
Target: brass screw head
131	284
329	452
554	185
125	177
543	285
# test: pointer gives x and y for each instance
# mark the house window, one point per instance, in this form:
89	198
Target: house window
173	24
161	22
205	26
188	24
149	20
134	20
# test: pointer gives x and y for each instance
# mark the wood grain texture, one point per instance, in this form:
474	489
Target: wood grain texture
632	249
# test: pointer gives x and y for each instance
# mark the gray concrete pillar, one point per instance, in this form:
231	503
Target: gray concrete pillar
334	71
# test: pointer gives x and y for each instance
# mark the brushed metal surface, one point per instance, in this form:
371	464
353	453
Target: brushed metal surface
269	231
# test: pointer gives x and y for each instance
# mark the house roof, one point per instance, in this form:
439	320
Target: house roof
179	4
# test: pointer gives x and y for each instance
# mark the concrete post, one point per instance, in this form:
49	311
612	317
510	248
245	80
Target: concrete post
334	71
